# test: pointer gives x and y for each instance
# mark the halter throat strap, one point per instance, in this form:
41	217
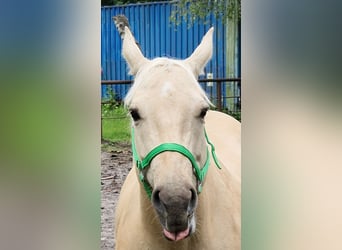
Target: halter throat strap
200	173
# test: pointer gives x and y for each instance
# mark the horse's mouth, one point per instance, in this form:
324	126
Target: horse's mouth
176	236
180	235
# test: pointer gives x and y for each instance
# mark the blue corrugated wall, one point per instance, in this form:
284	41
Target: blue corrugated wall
151	26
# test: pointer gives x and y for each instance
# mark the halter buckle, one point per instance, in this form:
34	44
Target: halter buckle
199	187
141	176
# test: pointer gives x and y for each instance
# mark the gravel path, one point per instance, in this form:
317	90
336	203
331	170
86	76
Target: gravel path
116	161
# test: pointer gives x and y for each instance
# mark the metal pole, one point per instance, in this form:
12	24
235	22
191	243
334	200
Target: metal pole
219	95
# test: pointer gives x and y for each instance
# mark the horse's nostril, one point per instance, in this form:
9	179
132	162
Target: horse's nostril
193	199
155	196
156	200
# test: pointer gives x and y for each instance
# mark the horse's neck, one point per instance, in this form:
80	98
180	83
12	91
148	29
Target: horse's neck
221	187
148	215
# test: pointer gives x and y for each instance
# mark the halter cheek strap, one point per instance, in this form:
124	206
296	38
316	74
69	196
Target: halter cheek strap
200	173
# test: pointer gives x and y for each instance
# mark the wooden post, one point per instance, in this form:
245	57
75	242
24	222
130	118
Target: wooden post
231	55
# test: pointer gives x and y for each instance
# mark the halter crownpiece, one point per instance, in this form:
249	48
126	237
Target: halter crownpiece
200	173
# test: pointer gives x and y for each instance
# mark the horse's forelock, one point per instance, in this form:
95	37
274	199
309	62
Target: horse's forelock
162	64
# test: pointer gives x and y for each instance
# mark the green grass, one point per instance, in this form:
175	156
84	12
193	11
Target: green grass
115	124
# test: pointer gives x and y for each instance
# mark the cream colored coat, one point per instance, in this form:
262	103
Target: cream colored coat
137	226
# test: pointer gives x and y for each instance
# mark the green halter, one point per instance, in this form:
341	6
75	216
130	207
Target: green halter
174	147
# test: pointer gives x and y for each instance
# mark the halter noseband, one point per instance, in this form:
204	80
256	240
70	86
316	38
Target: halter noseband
200	173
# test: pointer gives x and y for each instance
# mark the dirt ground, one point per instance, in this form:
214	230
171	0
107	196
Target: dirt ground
116	161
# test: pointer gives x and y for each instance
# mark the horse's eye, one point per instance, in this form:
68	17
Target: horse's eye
203	112
135	114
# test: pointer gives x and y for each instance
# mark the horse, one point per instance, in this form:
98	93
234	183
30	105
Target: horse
184	190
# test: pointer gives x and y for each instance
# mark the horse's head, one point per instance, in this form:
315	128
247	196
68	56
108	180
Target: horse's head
168	106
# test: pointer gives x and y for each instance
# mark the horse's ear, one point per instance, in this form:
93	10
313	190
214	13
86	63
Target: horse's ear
202	54
132	53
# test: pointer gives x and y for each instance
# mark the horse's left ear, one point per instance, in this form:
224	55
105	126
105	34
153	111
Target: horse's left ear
132	53
202	54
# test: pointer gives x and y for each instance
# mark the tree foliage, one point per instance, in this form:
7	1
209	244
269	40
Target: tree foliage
191	10
123	2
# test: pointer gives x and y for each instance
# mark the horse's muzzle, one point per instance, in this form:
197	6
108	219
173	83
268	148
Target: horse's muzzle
175	211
